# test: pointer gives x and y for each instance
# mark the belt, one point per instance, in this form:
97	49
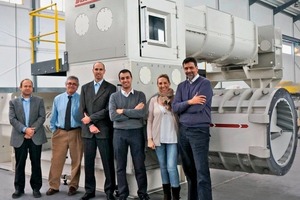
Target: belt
71	129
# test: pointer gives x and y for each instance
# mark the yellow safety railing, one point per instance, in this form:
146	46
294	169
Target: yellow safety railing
35	38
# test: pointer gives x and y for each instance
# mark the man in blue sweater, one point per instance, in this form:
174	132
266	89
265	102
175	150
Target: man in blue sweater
192	103
127	111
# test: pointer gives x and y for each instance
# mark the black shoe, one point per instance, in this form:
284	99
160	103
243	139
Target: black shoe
88	196
144	197
36	194
17	194
110	197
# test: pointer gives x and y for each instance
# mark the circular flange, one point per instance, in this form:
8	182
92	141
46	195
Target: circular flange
145	75
176	76
104	19
81	24
283	132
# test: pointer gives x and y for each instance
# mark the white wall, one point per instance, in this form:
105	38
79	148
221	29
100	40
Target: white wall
237	8
285	23
14	45
261	15
15	49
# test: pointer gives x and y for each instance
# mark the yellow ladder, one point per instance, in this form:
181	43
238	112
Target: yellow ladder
35	38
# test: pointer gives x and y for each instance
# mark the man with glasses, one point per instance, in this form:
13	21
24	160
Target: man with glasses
65	125
97	132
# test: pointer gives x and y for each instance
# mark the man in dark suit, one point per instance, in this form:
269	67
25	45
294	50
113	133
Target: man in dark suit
97	131
27	116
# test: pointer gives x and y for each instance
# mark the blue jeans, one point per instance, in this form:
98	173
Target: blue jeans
167	157
133	138
193	147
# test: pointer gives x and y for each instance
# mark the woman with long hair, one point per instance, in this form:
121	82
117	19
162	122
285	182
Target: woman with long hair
162	136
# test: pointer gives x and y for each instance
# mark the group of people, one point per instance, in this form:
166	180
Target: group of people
110	120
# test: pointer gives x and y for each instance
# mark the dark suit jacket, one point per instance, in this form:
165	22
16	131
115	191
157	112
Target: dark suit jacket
36	119
96	106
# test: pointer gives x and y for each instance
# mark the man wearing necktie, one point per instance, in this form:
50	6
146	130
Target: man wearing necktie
27	116
97	132
65	125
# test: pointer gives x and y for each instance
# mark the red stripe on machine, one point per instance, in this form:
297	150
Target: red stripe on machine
83	2
229	125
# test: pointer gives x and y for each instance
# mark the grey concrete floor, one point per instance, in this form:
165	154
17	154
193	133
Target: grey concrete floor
226	186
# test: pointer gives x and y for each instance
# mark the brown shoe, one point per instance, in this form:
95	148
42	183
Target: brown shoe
72	191
51	191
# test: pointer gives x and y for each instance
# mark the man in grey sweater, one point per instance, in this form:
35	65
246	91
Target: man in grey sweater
127	110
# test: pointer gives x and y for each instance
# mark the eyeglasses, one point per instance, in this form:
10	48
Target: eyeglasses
72	84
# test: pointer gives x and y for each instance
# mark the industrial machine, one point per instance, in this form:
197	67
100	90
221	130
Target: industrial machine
253	129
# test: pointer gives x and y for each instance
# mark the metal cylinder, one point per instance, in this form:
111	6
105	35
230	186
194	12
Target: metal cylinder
253	130
218	37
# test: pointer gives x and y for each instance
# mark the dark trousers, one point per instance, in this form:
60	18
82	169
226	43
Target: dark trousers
133	138
35	157
194	147
107	158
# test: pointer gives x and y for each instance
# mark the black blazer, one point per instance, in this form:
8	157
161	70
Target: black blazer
96	107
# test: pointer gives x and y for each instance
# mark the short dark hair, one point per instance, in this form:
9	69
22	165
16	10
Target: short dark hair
26	79
73	78
163	76
123	71
189	59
